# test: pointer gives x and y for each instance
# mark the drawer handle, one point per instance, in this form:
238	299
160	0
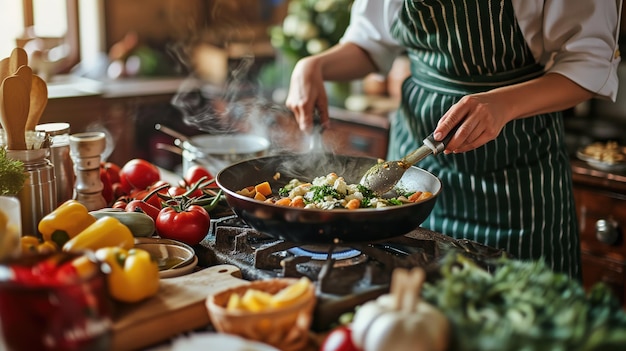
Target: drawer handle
607	231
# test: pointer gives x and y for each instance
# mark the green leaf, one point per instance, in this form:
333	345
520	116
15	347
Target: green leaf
12	175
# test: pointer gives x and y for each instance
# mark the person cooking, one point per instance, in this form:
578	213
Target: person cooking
502	71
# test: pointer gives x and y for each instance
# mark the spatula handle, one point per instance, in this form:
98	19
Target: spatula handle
439	146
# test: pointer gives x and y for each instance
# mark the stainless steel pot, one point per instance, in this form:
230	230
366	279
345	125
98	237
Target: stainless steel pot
215	152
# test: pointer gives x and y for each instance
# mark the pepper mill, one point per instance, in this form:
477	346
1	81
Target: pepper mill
86	151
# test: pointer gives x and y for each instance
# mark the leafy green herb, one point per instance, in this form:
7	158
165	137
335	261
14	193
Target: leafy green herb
524	305
284	192
321	191
12	176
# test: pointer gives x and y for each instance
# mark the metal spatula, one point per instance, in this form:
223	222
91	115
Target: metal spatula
316	144
382	177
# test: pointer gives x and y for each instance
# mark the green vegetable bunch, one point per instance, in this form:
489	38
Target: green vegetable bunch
311	26
12	176
524	305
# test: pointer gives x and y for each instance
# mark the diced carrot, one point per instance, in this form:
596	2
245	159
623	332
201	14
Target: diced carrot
353	204
249	192
285	201
263	188
297	201
415	196
425	195
259	196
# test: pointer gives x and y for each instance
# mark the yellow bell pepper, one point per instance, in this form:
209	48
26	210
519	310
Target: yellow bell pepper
32	245
65	222
106	231
134	275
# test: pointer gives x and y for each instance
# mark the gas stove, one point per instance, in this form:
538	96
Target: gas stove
345	275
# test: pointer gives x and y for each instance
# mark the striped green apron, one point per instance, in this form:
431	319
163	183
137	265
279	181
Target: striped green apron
514	192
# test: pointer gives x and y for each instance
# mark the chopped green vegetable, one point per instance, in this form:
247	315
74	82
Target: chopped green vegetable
320	192
523	305
12	176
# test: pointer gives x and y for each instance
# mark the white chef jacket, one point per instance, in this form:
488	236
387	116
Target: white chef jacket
575	38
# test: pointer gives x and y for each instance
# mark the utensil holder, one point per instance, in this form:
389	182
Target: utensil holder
38	196
60	158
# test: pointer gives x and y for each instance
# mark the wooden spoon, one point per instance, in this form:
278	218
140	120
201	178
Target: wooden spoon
38	101
26	74
15	111
4	68
17	59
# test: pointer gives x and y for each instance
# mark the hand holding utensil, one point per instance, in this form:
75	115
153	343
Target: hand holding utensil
382	177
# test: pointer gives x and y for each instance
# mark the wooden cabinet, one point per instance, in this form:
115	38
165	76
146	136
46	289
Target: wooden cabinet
358	133
601	207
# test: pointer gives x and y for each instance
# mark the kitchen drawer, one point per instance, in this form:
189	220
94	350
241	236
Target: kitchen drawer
357	140
602	219
613	274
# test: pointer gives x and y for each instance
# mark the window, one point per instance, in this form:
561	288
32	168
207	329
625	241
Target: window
46	27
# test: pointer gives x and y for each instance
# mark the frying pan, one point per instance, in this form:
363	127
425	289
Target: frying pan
316	226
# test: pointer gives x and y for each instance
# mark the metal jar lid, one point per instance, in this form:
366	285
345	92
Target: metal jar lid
57	128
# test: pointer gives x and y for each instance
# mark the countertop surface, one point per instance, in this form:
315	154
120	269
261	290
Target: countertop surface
69	86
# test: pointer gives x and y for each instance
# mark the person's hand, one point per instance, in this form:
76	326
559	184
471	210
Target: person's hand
481	120
306	94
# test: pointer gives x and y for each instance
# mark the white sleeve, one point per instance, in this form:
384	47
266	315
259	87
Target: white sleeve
370	24
578	39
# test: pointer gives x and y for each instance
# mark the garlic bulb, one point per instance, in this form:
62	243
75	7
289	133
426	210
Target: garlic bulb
400	320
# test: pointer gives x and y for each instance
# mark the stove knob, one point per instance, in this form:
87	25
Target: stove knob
607	231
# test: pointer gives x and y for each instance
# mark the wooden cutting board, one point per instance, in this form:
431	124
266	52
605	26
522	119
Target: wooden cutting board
178	307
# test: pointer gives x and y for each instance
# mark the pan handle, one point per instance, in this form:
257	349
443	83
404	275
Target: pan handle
171	132
168	147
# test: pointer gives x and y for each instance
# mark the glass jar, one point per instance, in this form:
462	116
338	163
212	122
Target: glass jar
58	313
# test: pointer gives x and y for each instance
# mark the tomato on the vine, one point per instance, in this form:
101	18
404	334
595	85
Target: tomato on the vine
339	339
186	223
107	186
153	200
139	174
195	173
113	170
176	191
143	206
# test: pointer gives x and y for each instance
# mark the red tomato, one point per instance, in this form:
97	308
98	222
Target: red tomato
189	225
112	170
153	200
139	174
118	191
107	186
339	339
175	191
160	184
195	173
145	207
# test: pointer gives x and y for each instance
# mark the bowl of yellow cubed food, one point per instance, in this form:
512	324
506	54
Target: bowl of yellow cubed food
277	312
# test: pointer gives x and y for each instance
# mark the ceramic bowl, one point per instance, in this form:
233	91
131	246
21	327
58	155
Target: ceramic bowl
175	258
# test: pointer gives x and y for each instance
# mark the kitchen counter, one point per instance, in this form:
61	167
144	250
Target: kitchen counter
68	86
